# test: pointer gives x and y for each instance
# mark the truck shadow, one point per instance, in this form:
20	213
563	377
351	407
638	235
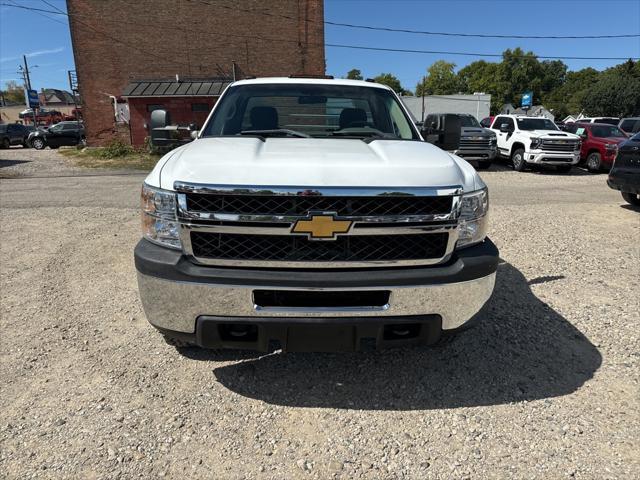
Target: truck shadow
523	350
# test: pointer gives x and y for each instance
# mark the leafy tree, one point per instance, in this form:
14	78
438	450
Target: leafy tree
569	97
440	80
615	94
391	81
354	74
482	76
13	92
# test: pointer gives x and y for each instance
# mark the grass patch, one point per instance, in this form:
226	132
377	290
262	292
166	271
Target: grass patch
116	155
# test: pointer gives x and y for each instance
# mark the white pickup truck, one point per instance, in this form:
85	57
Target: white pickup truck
535	141
309	214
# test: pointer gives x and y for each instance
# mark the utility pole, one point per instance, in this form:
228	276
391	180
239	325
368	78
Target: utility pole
27	81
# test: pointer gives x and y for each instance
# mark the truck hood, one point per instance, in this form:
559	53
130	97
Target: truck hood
476	132
312	162
551	134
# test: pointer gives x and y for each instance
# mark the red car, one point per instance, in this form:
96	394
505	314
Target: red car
599	144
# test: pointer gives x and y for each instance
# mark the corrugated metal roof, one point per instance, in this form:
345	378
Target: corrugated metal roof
163	88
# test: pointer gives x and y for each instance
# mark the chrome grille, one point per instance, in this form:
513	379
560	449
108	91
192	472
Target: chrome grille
254	226
299	249
559	145
302	205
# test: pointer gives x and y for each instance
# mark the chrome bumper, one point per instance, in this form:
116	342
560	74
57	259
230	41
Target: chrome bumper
175	305
552	158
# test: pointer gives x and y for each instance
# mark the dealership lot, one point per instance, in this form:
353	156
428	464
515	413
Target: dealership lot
546	387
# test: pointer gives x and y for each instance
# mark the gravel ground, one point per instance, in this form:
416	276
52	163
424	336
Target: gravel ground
546	387
28	162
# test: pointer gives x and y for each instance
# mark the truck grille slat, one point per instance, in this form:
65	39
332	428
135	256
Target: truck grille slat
474	144
302	205
297	248
558	146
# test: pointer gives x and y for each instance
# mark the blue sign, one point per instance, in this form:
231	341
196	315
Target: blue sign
527	99
32	99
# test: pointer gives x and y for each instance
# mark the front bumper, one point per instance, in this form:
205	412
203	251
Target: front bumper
179	296
552	158
476	154
624	179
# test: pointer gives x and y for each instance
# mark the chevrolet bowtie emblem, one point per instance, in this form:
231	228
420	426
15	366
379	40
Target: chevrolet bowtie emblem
322	226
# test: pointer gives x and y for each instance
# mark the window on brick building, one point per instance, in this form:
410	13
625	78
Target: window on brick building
153	107
199	107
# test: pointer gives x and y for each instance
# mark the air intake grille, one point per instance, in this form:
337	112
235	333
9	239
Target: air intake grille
302	205
298	248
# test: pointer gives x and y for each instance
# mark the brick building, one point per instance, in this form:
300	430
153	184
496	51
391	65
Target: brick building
120	42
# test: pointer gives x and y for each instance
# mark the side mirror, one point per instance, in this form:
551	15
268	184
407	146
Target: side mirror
194	134
504	127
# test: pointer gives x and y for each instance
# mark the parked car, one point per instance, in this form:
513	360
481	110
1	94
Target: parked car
487	121
599	144
58	135
535	141
13	134
608	120
477	144
630	125
625	172
338	233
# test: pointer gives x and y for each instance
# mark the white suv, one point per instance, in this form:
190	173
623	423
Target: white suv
535	140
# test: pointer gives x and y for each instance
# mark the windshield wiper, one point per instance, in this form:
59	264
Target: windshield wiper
275	131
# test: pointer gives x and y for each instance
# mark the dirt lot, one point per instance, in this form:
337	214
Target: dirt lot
547	387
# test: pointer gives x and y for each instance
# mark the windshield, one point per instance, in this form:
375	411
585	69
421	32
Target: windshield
602	131
610	121
468	121
307	110
536	124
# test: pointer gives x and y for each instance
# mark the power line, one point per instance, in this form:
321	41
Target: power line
331	45
421	32
469	54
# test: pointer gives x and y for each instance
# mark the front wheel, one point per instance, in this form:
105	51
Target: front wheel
594	162
631	198
564	168
38	144
518	160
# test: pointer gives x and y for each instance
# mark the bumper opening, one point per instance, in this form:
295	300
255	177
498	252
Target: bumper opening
322	300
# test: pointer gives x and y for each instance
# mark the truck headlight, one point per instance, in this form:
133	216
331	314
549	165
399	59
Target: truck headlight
473	221
493	141
159	222
535	143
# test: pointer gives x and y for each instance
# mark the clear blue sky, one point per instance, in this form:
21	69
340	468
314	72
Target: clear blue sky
48	44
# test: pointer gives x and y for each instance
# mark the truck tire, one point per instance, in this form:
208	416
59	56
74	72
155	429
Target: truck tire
38	144
631	198
483	165
517	158
594	162
564	168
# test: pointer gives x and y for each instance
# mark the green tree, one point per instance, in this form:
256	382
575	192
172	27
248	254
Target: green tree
482	76
13	92
615	94
520	72
441	79
354	74
569	97
391	81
